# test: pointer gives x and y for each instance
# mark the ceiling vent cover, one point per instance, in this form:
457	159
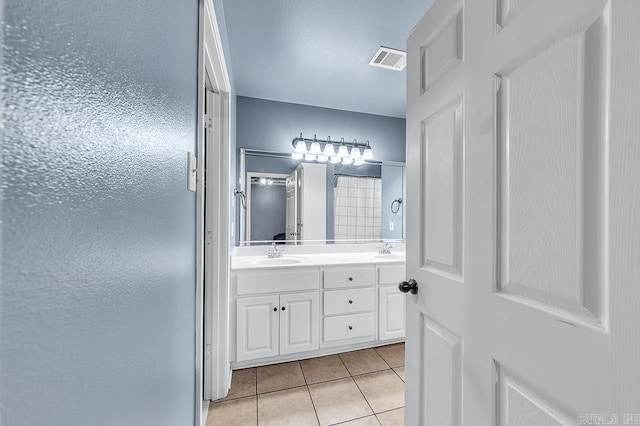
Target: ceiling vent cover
392	59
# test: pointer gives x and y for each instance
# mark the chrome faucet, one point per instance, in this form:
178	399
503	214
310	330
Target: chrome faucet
385	248
274	252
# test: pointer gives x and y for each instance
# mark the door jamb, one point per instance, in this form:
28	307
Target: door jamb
212	69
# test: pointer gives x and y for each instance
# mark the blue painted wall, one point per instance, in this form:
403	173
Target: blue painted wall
98	229
270	126
393	188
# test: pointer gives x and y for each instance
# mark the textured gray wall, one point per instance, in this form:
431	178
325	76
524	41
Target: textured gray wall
98	248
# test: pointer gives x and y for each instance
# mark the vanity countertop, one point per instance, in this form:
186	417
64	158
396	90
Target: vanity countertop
315	259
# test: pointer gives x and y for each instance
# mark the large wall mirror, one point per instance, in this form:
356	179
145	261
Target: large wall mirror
290	202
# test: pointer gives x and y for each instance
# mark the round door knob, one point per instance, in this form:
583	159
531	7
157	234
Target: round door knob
409	286
283	308
350	328
351	302
275	309
350	278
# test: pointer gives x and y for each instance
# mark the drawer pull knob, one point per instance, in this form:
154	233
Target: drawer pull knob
351	302
350	328
283	308
350	278
275	309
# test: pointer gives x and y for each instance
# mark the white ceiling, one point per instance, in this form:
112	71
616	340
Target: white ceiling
316	52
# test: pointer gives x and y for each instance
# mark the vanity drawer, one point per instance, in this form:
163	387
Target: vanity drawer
348	326
348	301
391	274
349	277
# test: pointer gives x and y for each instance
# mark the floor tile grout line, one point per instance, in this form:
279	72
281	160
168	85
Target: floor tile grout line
392	409
371	372
280	390
365	398
357	418
257	410
397	374
313	405
374	412
377	353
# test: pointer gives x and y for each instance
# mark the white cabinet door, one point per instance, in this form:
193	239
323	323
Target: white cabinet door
298	322
523	173
257	327
391	313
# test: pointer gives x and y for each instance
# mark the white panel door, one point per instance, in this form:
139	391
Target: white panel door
391	313
523	122
299	316
291	212
257	320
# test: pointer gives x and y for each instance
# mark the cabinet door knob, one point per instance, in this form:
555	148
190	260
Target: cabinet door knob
275	309
350	278
350	328
351	302
283	308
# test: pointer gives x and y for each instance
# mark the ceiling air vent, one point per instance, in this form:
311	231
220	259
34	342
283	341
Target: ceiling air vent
392	59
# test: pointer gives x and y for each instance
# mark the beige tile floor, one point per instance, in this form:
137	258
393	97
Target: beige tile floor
359	388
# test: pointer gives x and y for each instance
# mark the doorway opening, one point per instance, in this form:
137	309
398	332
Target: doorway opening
212	218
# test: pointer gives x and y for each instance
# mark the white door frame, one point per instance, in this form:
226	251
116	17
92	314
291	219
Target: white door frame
212	75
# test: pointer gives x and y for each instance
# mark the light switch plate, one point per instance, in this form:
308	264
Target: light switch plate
391	224
192	170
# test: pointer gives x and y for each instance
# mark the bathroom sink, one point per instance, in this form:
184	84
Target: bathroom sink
277	261
390	256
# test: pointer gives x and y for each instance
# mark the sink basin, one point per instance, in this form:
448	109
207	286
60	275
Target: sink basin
277	261
390	256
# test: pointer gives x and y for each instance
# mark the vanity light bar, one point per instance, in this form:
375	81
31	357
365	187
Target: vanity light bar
356	153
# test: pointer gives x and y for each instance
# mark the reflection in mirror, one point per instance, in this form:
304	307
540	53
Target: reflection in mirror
289	201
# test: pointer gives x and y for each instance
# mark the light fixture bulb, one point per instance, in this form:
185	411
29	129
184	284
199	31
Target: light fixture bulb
315	148
358	162
329	151
347	161
343	151
355	152
301	147
323	158
336	159
263	181
367	154
297	156
309	157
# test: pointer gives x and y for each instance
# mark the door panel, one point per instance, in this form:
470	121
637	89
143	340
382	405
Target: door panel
509	146
257	327
390	313
442	184
551	150
299	322
520	405
442	375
